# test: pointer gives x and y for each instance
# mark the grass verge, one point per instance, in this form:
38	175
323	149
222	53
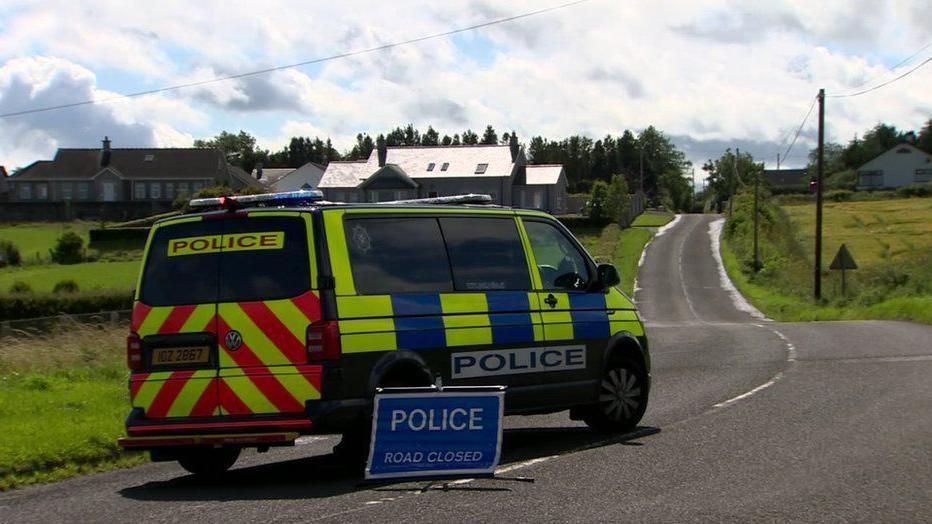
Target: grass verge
652	219
63	400
90	276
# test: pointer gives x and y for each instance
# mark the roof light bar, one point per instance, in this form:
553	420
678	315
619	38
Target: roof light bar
471	198
287	198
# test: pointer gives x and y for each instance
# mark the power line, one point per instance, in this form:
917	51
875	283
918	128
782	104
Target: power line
895	67
297	64
878	86
800	128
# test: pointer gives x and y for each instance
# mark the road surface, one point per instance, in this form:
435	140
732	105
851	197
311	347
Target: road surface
750	420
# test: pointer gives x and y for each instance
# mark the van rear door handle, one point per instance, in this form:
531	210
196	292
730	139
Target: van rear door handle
551	301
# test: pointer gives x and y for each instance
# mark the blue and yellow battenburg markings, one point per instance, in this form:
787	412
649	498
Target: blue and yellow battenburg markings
441	320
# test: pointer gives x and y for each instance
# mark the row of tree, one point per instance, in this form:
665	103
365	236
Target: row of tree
647	160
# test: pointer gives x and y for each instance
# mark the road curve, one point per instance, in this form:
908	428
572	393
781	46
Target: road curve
749	420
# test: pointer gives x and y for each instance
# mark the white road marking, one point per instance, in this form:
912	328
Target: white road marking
747	394
715	233
679	263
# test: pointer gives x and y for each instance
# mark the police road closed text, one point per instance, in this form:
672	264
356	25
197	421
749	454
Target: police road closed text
518	360
435	434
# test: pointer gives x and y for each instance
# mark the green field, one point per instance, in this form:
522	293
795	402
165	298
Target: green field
63	400
652	218
874	231
34	240
90	276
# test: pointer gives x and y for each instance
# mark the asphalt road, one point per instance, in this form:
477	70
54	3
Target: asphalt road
750	420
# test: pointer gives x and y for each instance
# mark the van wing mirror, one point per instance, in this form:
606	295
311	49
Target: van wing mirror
608	276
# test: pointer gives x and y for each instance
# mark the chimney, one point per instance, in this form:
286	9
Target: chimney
105	152
383	153
513	145
258	170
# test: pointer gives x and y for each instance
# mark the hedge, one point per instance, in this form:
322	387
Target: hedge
15	307
581	221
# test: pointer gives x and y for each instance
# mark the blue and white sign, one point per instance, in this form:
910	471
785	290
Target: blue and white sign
454	432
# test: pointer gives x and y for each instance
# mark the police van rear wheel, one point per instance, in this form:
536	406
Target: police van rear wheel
622	399
210	462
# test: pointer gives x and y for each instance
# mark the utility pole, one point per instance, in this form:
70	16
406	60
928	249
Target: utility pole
818	216
734	182
778	161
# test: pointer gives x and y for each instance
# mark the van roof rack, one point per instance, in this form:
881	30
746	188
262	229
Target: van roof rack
469	198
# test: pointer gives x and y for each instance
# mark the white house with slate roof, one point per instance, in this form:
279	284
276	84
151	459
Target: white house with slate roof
405	172
902	165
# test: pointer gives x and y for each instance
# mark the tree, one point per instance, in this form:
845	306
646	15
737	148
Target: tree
616	201
490	137
727	174
446	140
470	138
430	137
924	141
240	149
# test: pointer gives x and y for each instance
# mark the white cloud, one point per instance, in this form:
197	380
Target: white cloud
714	73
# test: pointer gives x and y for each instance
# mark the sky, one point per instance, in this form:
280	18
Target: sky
710	74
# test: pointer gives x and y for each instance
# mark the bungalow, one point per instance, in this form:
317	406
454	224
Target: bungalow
787	179
123	175
399	173
902	165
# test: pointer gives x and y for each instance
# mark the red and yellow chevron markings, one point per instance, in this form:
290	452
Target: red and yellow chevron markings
168	394
162	320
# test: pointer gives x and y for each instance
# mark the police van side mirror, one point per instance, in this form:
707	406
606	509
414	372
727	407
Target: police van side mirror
608	276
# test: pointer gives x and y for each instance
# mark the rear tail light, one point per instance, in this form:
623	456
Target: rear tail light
323	341
134	352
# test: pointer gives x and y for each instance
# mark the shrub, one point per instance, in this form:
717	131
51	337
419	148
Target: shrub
9	254
915	190
20	287
838	195
596	209
847	179
69	248
66	286
18	306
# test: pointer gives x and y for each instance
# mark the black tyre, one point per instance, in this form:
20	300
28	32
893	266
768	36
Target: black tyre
209	462
622	399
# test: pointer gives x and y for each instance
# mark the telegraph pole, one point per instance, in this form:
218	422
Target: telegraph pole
778	161
818	216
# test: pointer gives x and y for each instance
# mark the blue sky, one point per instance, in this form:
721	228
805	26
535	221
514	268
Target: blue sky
711	74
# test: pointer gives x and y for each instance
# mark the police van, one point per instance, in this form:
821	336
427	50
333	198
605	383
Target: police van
268	317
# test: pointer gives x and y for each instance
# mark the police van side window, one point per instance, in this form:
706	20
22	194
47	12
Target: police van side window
486	254
397	255
561	265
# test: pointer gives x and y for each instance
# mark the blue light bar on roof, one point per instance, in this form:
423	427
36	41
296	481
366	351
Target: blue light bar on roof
287	198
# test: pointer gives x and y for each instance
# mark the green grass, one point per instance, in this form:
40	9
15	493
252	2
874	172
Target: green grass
34	240
63	400
89	276
628	253
652	219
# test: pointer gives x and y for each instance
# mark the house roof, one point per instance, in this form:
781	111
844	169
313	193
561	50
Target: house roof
870	165
786	177
270	175
543	174
136	164
307	175
462	161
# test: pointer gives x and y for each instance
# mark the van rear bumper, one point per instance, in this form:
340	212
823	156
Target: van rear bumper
246	439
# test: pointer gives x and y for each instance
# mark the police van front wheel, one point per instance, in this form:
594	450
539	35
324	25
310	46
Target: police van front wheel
209	462
622	399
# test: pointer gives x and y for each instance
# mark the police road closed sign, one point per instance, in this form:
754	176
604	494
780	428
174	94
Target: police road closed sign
436	434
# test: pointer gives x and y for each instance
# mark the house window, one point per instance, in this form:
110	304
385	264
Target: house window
169	191
197	186
155	191
42	191
148	158
430	166
870	178
445	166
139	191
922	176
83	191
66	191
182	188
25	192
481	168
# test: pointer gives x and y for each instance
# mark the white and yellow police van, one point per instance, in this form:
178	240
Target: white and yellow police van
275	316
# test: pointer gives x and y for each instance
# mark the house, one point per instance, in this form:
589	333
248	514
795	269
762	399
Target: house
124	175
406	172
901	165
305	177
268	176
787	179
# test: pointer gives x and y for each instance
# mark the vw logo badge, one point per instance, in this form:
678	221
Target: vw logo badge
233	339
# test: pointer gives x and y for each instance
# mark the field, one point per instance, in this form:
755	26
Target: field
90	276
63	399
34	240
874	231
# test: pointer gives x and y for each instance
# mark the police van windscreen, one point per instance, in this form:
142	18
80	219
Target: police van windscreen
230	260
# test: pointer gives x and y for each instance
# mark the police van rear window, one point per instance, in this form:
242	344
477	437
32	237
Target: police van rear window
232	260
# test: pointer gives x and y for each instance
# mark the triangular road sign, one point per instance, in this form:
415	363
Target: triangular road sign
843	260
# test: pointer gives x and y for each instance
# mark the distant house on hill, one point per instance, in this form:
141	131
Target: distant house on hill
899	166
787	179
305	177
400	173
125	175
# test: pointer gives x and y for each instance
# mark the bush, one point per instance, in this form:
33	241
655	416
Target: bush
19	306
838	195
847	179
66	286
69	248
20	287
9	254
596	209
915	190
